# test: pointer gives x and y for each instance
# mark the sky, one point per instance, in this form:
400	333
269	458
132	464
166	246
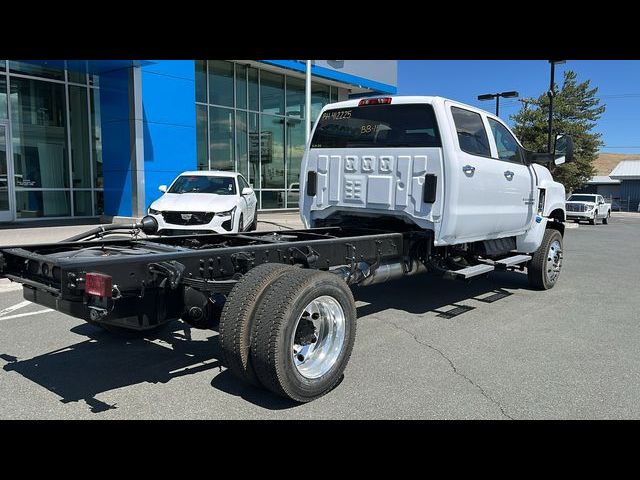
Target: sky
618	83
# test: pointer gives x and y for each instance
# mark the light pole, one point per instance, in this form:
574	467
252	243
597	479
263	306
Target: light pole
551	93
491	96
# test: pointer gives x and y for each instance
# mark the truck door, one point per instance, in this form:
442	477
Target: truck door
516	185
476	180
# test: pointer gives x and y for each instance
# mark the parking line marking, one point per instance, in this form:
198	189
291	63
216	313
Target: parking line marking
15	307
18	315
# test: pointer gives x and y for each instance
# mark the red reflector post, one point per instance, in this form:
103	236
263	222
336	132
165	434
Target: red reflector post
98	284
375	101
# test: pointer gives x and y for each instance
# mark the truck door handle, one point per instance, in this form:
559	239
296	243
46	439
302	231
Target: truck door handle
508	175
469	169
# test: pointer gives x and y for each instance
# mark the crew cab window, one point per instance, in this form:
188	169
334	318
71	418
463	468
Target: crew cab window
377	126
508	148
472	135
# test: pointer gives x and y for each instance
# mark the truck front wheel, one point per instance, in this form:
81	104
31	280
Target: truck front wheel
544	268
303	334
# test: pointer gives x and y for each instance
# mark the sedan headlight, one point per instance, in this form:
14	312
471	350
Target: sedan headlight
228	213
153	211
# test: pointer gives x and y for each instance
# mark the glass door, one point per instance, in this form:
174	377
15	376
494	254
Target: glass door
6	214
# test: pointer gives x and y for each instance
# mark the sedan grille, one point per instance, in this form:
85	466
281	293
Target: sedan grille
188	218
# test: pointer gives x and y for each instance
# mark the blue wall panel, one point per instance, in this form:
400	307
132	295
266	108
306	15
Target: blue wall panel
116	156
169	123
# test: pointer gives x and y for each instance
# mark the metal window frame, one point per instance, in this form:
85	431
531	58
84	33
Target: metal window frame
10	161
257	182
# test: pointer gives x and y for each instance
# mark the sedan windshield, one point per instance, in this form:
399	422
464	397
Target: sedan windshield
582	198
204	184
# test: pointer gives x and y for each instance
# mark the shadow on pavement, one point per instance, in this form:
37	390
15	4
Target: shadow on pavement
106	362
428	293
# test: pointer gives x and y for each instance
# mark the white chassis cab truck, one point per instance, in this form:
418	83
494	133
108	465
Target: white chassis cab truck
389	187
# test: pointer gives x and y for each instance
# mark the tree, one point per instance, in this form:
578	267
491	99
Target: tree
576	110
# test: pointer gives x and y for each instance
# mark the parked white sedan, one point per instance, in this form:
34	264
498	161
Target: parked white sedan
206	202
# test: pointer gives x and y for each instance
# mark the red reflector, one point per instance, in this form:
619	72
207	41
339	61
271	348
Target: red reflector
375	101
98	284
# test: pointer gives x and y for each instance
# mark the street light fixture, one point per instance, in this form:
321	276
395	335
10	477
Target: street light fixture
491	96
551	93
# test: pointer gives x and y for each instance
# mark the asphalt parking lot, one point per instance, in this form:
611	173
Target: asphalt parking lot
568	353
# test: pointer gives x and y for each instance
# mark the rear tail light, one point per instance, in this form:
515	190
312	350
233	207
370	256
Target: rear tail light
375	101
98	284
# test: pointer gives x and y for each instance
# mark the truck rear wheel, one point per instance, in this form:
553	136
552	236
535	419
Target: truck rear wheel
544	268
238	314
605	220
303	334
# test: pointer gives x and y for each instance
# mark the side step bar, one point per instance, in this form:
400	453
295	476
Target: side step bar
483	268
511	261
469	272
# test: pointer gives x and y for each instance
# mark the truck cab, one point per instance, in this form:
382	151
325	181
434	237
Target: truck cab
428	163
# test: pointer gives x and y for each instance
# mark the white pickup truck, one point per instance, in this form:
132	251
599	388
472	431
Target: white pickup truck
587	206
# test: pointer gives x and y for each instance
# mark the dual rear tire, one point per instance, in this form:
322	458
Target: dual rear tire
289	330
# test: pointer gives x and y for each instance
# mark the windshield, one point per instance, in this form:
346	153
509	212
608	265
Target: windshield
582	198
377	126
204	184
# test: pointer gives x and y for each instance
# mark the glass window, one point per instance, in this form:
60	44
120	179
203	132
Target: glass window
334	94
253	90
3	98
242	150
472	135
508	148
77	71
254	149
79	126
319	98
221	83
204	184
96	138
82	204
3	65
295	150
295	97
201	81
272	151
39	134
241	86
99	202
221	138
34	204
377	126
242	182
273	199
4	180
49	69
201	137
272	93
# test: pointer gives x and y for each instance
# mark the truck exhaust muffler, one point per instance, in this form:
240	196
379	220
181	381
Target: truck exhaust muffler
364	275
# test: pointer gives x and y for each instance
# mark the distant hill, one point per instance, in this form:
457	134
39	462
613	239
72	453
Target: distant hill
606	162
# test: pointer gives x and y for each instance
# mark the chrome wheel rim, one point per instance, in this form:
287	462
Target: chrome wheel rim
318	337
554	261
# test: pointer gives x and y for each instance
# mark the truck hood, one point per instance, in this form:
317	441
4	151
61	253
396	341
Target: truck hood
195	202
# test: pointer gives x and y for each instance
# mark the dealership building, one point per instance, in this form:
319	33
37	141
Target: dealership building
85	138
